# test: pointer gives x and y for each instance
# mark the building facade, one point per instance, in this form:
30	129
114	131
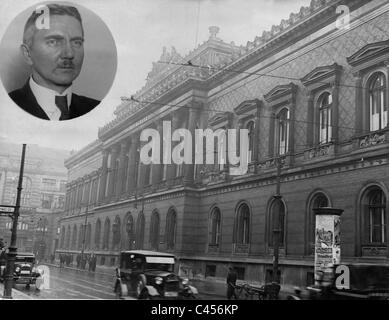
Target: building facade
42	196
312	94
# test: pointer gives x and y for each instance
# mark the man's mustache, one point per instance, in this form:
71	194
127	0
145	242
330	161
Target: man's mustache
66	64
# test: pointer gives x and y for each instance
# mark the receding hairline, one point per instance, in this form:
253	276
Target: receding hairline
54	10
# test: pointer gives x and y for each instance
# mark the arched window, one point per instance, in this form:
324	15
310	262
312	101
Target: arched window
140	231
325	114
242	225
107	228
116	233
154	230
277	206
378	109
74	240
215	227
374	211
171	226
283	131
250	127
97	234
318	200
129	231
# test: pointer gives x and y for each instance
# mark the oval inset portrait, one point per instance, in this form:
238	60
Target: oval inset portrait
57	60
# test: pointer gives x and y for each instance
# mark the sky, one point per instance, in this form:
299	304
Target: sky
140	28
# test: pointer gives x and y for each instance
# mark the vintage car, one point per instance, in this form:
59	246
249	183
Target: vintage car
150	275
25	271
364	282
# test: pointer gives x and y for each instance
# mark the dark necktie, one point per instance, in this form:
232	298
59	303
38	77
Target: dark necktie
62	103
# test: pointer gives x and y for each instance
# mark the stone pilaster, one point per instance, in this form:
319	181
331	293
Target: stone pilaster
112	173
193	115
104	174
156	169
132	163
121	170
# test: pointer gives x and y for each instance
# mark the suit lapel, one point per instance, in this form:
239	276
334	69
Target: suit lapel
31	103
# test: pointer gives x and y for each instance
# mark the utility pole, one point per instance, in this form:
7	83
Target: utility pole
84	235
12	250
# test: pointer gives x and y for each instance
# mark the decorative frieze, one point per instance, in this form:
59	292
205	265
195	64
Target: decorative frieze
319	151
372	140
374	251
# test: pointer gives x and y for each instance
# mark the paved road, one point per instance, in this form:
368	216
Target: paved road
67	283
73	284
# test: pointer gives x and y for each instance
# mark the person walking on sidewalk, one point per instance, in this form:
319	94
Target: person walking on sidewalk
231	283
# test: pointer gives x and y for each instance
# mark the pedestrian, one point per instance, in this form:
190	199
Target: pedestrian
231	283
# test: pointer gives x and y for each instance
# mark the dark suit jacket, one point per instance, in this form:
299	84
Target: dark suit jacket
25	99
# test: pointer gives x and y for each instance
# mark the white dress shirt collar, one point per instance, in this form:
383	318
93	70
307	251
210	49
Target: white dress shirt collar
46	99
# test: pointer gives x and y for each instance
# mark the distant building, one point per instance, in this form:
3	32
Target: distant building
42	197
310	91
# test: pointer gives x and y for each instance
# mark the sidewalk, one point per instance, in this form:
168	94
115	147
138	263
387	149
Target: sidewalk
16	294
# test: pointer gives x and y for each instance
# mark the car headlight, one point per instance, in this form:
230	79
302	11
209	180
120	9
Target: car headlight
185	281
17	269
158	280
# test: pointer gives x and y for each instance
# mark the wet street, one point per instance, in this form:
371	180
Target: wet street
76	284
73	284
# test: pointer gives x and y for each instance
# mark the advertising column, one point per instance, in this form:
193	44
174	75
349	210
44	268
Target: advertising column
327	244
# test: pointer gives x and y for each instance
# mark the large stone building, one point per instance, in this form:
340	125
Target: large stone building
312	91
42	197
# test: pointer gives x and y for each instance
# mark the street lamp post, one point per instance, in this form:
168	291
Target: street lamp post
12	250
84	235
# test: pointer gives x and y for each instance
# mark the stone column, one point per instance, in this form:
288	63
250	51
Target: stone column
387	97
104	173
335	112
121	170
272	134
132	163
256	140
358	104
156	169
112	175
311	134
171	168
191	126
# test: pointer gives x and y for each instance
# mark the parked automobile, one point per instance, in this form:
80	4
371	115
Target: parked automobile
25	271
366	282
150	275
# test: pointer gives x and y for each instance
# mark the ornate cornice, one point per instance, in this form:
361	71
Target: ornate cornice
220	119
281	93
248	107
322	75
368	53
215	64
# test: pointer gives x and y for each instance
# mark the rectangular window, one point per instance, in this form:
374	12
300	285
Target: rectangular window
210	270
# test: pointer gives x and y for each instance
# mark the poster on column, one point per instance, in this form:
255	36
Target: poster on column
324	246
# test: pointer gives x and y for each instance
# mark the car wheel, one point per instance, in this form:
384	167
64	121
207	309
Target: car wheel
144	295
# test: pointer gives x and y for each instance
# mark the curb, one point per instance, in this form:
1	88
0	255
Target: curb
16	294
76	269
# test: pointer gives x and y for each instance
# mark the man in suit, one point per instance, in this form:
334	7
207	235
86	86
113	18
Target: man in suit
55	53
